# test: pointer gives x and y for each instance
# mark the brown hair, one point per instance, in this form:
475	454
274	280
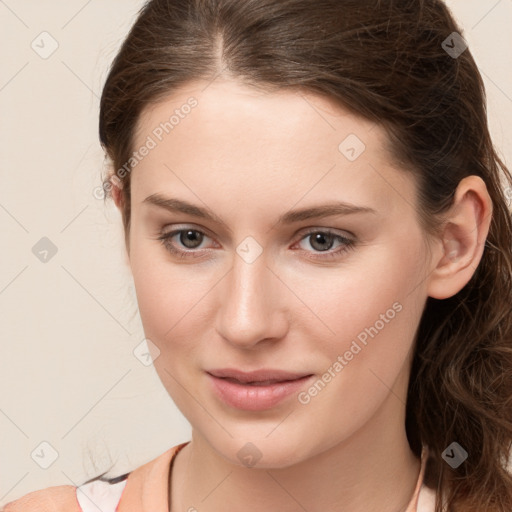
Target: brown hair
387	61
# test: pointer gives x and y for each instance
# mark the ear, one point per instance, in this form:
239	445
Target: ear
462	243
115	189
117	196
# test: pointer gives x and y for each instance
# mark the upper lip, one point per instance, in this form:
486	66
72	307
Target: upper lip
262	375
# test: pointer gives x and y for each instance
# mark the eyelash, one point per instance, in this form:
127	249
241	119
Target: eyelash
348	244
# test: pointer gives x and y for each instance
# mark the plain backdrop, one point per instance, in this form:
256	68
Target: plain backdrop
74	396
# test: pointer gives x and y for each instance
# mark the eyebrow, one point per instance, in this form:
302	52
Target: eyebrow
315	212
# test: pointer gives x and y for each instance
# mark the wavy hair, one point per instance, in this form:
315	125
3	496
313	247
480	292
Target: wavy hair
389	62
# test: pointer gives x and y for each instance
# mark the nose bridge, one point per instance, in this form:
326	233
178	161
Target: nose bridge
250	310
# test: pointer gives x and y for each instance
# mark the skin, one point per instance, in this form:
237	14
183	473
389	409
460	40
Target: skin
249	157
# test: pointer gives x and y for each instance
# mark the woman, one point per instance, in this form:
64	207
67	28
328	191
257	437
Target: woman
320	241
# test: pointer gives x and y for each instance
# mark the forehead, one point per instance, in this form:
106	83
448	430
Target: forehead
284	115
238	138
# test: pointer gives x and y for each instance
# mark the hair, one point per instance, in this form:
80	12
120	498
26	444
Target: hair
384	61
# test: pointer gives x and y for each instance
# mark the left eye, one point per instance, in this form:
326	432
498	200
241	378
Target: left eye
190	238
321	241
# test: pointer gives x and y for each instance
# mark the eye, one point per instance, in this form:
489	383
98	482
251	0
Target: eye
323	240
187	241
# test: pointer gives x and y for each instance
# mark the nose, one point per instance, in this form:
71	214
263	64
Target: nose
252	309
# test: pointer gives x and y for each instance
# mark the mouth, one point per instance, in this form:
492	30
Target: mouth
257	382
262	376
256	390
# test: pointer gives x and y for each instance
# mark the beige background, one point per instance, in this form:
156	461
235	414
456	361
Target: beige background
68	374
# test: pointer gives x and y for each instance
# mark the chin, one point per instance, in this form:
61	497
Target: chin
261	452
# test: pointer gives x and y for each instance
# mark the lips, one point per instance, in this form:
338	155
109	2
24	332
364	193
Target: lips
255	390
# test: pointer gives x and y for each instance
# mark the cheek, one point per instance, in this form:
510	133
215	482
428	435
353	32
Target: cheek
165	292
365	364
169	300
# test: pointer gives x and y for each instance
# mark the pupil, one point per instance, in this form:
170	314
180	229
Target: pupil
322	238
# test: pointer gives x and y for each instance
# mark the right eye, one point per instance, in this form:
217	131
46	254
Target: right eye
186	243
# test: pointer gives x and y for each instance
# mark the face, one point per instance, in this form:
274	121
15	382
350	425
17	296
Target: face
300	251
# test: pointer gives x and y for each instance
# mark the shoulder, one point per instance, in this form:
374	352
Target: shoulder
147	483
61	498
92	496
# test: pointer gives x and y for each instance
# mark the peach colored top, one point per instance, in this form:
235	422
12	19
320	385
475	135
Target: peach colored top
146	489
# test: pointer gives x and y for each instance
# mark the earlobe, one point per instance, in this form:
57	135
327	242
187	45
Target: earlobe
462	244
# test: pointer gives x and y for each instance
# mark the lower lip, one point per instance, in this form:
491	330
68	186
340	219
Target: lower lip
255	398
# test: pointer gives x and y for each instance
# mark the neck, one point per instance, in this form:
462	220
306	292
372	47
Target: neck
372	470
